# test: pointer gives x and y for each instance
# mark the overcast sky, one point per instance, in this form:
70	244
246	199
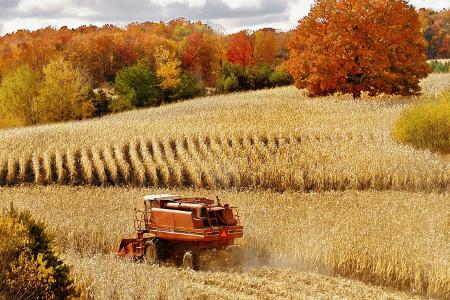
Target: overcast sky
231	15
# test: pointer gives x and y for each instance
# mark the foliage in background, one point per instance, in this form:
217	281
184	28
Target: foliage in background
240	49
436	31
101	102
201	56
168	69
19	90
426	125
64	94
352	46
440	67
197	57
137	86
190	86
29	268
233	77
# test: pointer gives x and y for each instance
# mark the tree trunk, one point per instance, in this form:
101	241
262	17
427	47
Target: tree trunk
356	92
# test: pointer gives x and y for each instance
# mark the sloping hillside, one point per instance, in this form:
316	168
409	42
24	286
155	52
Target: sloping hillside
277	139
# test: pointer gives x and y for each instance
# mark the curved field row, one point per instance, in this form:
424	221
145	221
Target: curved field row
273	161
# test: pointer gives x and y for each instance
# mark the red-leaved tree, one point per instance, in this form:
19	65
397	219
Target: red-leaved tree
240	49
200	56
352	46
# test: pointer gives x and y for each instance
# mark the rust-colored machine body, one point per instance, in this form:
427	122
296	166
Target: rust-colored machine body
173	226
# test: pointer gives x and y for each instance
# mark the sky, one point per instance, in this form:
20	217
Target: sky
227	15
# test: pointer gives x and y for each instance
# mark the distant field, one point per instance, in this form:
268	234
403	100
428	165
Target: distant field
392	239
272	139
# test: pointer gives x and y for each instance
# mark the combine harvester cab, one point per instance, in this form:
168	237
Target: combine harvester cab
180	228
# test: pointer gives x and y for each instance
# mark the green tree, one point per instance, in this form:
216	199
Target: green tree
190	86
18	95
64	94
280	78
137	86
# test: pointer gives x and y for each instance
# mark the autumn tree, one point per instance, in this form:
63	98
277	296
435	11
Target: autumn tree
352	46
64	93
18	95
201	56
137	86
167	69
266	46
240	49
436	31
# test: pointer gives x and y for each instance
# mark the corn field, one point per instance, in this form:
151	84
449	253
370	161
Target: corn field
275	139
376	212
392	239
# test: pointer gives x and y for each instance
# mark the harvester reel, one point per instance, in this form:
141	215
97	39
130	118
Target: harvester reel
190	260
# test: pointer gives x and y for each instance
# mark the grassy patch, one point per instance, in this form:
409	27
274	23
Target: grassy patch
426	125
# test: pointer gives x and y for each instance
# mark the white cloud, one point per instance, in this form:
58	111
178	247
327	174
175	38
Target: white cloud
36	23
435	4
189	3
233	15
236	4
26	6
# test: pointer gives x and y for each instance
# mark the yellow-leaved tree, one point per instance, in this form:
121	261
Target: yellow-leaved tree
64	93
18	95
167	68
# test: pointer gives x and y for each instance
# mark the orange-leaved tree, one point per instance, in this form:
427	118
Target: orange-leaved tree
266	46
352	46
201	56
240	49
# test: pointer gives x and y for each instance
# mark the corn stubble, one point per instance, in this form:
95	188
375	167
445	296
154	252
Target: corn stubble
276	139
393	239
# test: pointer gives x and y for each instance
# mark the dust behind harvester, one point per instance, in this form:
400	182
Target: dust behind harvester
171	226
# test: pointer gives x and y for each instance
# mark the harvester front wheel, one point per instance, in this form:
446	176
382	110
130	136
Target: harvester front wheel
152	252
190	260
235	255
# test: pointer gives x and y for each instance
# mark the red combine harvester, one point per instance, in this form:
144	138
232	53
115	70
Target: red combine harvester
176	227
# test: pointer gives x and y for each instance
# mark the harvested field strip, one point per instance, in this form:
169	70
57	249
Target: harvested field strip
107	277
394	239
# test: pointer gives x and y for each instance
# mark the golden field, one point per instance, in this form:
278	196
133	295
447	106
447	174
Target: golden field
392	239
272	139
332	206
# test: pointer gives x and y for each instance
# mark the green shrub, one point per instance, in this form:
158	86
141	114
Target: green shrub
137	85
262	77
101	102
29	269
189	87
280	78
426	125
440	67
231	83
233	78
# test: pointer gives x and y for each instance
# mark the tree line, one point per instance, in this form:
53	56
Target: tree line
52	74
145	64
